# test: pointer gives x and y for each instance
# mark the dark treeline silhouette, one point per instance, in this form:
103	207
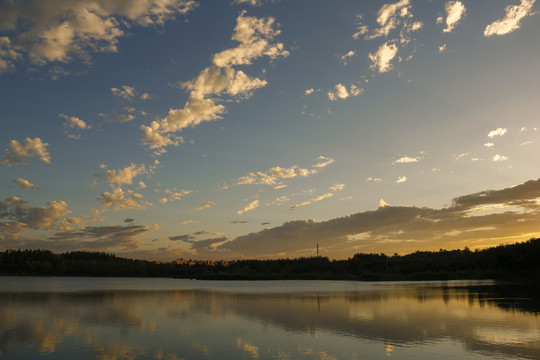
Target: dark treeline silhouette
515	261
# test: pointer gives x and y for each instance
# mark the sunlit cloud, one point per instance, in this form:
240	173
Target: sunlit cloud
497	132
206	205
311	201
442	48
371	179
119	118
489	144
25	184
251	206
255	37
512	19
120	200
341	92
499	158
344	59
455	11
401	179
18	153
406	160
61	31
382	58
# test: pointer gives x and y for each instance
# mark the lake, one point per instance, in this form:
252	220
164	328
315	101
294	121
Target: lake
172	319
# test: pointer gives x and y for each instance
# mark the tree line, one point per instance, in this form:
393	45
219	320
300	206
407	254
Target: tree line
515	261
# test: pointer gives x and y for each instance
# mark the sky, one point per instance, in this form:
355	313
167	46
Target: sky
166	129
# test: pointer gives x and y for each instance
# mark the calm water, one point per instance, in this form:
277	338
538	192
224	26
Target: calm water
171	319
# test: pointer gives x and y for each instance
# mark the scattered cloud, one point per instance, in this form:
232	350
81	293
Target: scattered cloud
406	160
101	237
337	187
251	206
126	92
455	11
17	153
401	179
341	92
344	59
17	216
59	31
382	58
310	201
309	92
25	184
74	122
124	176
206	205
184	238
255	37
499	158
442	48
497	132
120	200
371	179
489	144
120	118
403	228
512	19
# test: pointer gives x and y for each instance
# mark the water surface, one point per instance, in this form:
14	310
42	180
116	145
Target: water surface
171	319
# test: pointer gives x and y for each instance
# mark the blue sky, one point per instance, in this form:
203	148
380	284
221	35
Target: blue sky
257	129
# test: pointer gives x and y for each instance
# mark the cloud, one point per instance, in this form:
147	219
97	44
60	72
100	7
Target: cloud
344	59
403	228
184	238
17	216
442	48
341	92
102	237
124	176
323	162
382	57
25	184
374	179
309	92
455	11
497	132
489	144
129	220
74	122
406	160
7	55
310	201
126	92
251	206
512	19
401	179
120	200
206	205
17	153
337	187
60	31
249	2
120	118
255	36
499	158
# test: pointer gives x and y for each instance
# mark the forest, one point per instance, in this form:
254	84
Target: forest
507	262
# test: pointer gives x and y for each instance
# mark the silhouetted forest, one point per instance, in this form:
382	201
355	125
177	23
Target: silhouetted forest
516	261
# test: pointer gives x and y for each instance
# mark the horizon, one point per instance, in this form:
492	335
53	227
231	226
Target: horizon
254	129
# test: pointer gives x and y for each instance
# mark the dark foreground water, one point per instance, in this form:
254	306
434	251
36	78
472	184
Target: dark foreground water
170	319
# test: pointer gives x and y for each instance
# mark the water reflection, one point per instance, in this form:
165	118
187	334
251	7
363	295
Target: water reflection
420	321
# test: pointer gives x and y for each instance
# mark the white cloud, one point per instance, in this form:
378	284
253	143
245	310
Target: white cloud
383	56
61	30
315	199
74	122
497	132
249	2
455	10
489	144
17	216
323	162
17	153
511	20
341	92
121	118
309	92
371	179
337	187
499	158
206	205
401	179
442	48
344	59
251	206
25	184
125	175
361	29
406	160
7	55
120	200
254	35
126	92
